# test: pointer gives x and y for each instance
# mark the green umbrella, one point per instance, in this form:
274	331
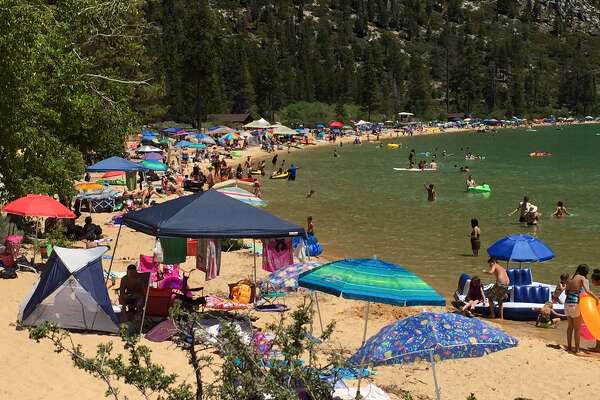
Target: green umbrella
154	165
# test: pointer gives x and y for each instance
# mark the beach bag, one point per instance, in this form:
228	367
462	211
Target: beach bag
242	292
8	273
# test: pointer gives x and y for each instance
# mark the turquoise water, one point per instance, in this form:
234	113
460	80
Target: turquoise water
363	208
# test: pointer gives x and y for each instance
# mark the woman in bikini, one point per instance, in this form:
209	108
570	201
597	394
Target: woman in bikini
561	210
574	286
475	237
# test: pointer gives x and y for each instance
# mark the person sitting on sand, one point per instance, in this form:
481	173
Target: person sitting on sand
561	210
573	287
547	317
522	208
131	294
500	289
471	182
431	193
474	296
147	194
559	289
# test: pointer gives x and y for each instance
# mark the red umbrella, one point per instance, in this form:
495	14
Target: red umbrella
110	174
38	205
336	124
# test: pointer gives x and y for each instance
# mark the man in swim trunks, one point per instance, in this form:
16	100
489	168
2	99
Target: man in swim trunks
522	208
431	193
500	289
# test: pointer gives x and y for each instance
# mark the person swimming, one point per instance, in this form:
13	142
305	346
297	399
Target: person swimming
522	208
561	210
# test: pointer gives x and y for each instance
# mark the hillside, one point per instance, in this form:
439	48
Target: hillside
503	57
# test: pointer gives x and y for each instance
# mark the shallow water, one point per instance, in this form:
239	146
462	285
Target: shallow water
363	208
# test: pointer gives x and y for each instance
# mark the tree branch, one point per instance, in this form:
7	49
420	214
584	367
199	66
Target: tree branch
106	78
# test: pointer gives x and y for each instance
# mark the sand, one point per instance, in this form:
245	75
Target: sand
532	370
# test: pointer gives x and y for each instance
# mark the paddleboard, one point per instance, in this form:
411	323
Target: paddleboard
414	169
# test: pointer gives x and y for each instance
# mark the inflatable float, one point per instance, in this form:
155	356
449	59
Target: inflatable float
591	315
415	169
540	154
256	172
485	188
393	146
474	158
283	175
251	180
424	154
525	297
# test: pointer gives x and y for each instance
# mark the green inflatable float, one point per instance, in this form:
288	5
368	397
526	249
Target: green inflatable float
485	188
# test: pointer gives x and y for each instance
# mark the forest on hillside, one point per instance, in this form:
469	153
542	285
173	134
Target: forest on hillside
78	76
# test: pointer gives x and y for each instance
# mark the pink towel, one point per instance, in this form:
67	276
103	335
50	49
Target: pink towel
277	254
208	257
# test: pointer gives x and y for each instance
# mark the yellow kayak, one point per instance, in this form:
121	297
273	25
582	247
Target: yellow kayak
393	146
280	176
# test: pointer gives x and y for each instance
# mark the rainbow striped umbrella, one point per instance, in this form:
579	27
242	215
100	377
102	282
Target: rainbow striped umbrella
243	196
371	280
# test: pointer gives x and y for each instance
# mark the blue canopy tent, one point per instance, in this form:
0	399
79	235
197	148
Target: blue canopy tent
149	133
115	164
211	215
182	144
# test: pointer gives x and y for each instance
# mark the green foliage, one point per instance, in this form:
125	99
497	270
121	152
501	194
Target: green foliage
241	371
57	236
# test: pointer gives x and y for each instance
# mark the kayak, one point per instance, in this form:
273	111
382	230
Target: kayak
393	146
280	176
415	169
485	188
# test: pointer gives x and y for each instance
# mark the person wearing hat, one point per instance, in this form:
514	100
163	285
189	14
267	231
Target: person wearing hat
532	215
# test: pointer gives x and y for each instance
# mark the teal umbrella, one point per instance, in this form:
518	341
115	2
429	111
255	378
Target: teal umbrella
198	146
371	280
155	165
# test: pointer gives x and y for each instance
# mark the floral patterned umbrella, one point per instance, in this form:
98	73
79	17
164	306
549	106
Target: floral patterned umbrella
286	279
432	337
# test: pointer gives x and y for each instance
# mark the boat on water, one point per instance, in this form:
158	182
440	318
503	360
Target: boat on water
525	296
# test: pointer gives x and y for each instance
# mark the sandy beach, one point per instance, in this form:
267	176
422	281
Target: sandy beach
537	369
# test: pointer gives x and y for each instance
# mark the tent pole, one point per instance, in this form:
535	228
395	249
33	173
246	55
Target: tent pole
435	382
145	303
37	222
366	321
113	254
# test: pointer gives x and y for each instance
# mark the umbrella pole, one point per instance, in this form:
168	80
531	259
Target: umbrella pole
254	256
37	222
318	311
366	321
435	382
113	254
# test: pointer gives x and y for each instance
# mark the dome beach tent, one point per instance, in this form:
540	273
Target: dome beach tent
71	293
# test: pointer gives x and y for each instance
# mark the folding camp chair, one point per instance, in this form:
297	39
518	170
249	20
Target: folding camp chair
158	272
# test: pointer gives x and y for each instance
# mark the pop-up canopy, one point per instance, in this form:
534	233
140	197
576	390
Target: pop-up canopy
209	215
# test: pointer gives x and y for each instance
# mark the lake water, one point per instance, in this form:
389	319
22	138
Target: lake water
363	208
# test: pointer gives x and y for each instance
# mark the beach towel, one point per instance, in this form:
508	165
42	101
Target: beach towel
208	257
277	254
174	249
162	332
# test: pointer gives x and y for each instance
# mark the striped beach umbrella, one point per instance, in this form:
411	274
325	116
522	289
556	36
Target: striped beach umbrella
243	196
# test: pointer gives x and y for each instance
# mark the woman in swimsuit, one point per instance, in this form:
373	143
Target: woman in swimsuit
475	237
574	285
561	210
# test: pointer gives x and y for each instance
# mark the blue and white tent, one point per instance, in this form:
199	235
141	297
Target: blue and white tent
71	293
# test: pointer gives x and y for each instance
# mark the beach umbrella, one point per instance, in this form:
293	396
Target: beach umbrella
283	131
164	142
149	133
38	206
152	156
154	165
320	125
371	280
148	149
521	248
230	136
172	130
336	124
198	146
432	337
182	144
243	196
286	279
111	174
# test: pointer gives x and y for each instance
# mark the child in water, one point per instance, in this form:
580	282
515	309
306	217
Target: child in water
561	210
545	318
431	193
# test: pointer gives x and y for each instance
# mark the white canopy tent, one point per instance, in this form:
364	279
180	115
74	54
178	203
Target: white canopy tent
258	124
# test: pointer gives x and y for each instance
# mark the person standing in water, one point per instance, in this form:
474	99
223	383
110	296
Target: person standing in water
499	290
575	285
411	158
274	161
431	193
523	209
475	237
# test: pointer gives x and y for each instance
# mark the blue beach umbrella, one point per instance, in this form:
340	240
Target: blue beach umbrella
198	146
432	337
154	165
371	280
286	279
521	248
182	144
